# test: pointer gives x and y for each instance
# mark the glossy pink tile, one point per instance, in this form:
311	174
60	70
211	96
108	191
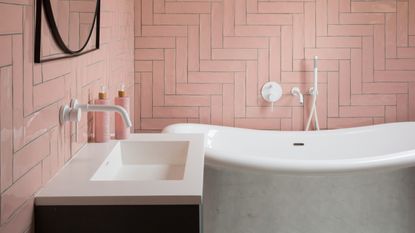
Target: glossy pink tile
33	146
6	132
11	22
6	48
20	192
30	155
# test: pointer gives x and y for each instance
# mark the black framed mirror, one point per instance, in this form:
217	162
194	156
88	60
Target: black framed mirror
66	28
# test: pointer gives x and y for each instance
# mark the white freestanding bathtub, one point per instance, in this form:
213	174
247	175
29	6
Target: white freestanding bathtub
379	147
357	180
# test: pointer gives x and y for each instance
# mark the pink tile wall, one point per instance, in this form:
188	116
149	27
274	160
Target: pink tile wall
33	145
206	61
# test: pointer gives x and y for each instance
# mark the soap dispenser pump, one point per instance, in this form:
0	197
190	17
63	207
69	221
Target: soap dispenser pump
102	119
121	130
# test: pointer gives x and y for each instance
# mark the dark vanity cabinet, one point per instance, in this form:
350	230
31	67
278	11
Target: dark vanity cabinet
118	219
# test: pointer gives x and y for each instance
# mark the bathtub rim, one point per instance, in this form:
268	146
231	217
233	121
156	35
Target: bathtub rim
220	159
309	167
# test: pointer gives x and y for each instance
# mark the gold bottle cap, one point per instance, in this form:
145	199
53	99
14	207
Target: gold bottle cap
121	93
102	94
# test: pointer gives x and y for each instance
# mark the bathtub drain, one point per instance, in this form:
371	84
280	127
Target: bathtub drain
298	144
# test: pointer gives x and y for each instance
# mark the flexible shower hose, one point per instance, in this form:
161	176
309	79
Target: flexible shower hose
314	93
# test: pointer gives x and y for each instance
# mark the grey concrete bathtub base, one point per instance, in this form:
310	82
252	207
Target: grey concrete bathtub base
250	202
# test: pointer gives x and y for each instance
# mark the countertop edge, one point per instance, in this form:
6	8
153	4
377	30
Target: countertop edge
118	200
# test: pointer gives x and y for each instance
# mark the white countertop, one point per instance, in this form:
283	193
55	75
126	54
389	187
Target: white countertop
73	185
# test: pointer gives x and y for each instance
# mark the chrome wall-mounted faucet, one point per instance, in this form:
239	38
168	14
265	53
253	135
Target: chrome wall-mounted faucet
295	91
73	112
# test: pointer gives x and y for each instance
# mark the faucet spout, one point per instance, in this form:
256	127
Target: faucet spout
295	91
107	108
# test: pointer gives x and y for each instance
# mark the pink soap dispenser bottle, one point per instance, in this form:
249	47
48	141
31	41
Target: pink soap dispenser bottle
102	119
121	130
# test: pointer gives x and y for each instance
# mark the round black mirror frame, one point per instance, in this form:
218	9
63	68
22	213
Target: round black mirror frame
56	35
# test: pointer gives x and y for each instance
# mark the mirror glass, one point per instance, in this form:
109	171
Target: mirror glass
66	28
74	20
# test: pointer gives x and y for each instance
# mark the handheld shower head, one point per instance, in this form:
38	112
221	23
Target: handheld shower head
314	93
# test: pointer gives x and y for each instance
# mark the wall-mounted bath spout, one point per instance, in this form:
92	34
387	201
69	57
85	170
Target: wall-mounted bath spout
295	91
73	112
107	108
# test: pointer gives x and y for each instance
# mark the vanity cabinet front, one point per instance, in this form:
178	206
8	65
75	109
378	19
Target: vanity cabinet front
118	219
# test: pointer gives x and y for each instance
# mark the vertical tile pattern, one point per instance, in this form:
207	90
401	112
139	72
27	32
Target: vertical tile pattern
33	145
232	47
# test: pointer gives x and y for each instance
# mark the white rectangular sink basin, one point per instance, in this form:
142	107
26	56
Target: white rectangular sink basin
146	169
135	160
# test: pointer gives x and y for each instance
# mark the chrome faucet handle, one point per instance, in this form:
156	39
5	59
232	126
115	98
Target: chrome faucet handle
68	114
71	113
271	92
312	92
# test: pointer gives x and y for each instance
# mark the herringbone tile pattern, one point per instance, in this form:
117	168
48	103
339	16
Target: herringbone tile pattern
206	61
